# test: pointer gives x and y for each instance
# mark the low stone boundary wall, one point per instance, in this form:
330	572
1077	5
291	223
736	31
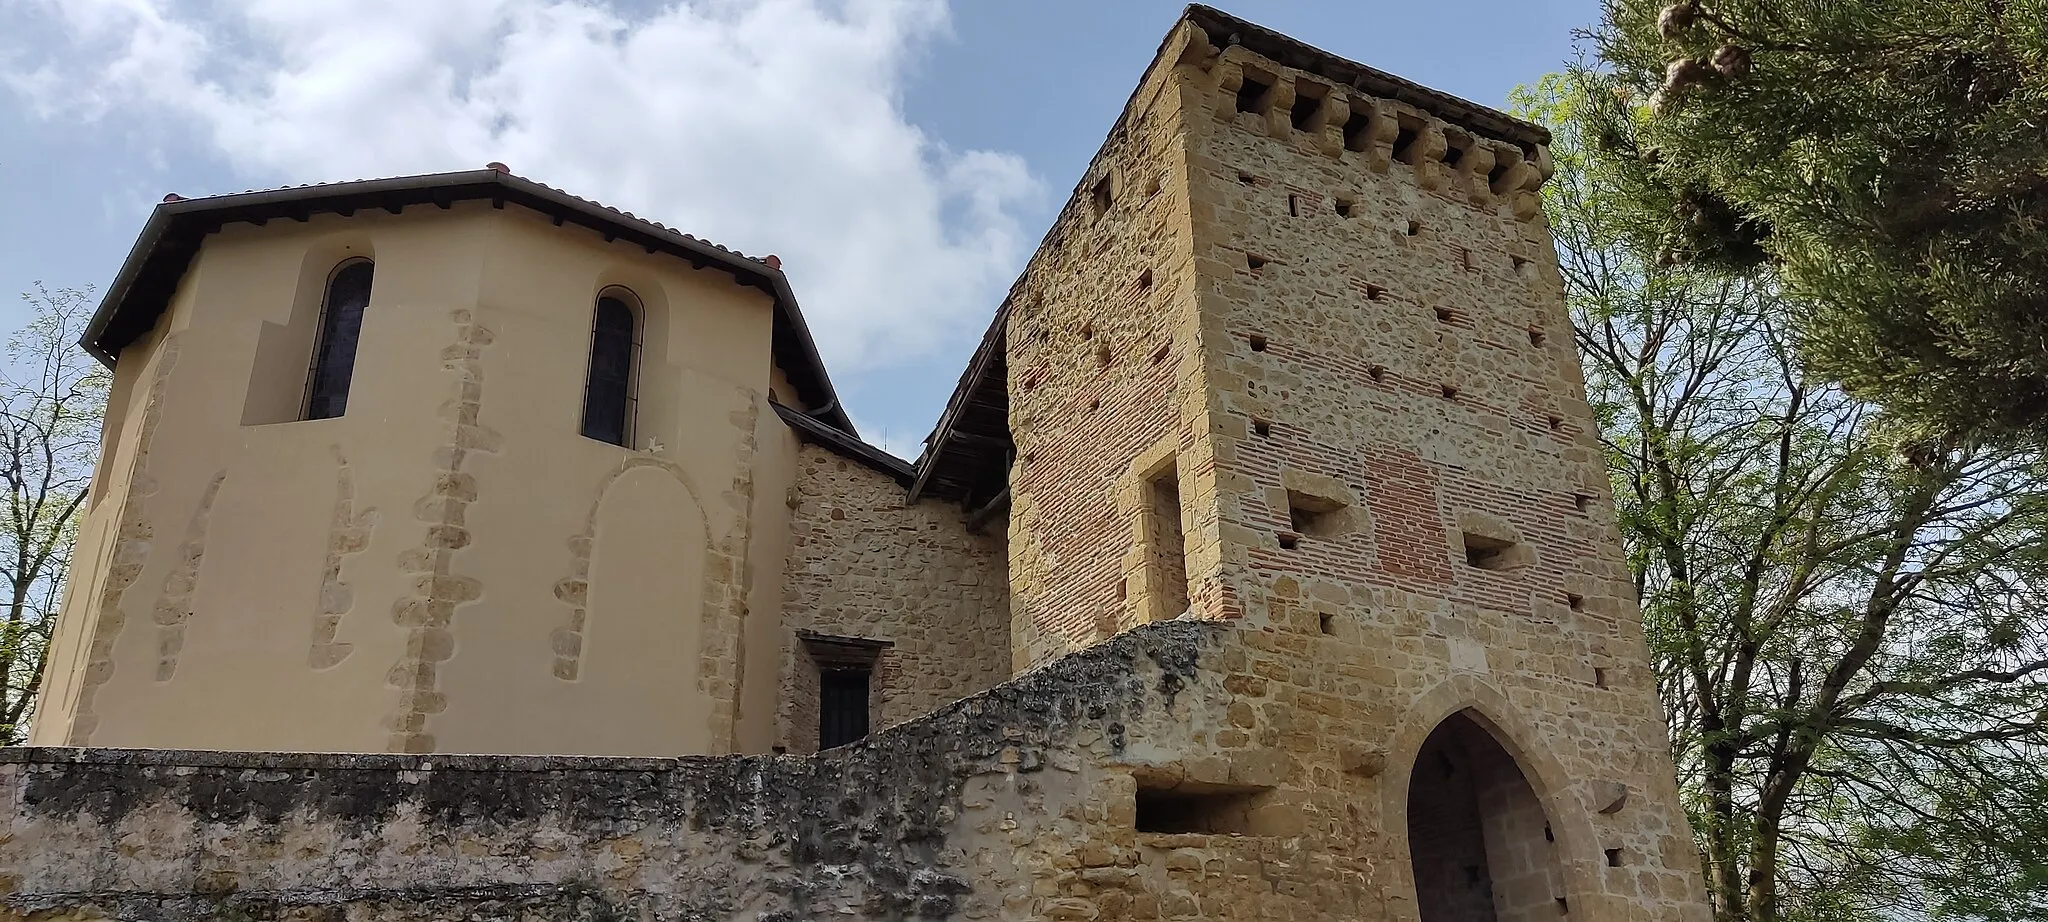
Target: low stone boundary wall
933	819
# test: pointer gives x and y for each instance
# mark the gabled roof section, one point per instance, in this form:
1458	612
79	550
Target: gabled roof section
811	429
143	288
967	457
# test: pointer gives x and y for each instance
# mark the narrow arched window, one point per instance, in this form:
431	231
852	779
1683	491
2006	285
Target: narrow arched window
341	324
608	398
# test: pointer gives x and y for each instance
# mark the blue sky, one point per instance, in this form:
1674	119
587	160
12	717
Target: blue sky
902	156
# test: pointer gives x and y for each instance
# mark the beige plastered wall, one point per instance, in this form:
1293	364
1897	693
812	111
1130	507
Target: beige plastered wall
449	566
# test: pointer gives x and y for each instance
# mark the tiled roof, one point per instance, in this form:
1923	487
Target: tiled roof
171	238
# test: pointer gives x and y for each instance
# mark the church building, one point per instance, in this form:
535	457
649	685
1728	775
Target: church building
463	548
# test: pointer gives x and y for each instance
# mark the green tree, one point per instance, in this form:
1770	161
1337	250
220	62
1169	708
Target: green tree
1889	160
52	398
1849	623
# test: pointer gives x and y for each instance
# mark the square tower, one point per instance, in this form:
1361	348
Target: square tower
1296	356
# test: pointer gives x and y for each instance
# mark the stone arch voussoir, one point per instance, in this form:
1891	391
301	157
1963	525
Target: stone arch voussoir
1563	797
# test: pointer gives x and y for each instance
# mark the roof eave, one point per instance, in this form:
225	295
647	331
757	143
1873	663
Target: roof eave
488	183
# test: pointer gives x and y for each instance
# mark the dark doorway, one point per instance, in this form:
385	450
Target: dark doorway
1478	837
842	706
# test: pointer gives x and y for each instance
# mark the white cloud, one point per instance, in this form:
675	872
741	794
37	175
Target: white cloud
766	125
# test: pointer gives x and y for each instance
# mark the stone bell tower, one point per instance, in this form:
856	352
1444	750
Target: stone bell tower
1296	356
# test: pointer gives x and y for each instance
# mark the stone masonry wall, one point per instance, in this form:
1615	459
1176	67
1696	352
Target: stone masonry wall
1102	386
948	817
1020	803
863	564
1409	480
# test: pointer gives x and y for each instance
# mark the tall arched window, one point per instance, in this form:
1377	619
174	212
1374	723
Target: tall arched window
341	324
608	398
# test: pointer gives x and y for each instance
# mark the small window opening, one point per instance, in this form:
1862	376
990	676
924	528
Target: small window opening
1251	95
1327	622
1304	111
843	705
1488	553
1258	343
1254	263
1289	542
1444	314
1293	205
608	392
1261	428
1414	227
1246	178
1614	857
1548	836
1344	207
1599	677
1355	136
1564	907
1101	196
1450	392
1145	280
1377	372
1405	139
1095	404
1556	423
1582	502
1159	354
1537	337
1518	263
341	327
1575	601
1317	516
1088	330
1178	811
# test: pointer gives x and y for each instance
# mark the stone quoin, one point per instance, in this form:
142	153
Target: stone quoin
463	549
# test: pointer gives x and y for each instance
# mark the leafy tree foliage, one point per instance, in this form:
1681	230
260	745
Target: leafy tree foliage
1849	622
1888	158
52	397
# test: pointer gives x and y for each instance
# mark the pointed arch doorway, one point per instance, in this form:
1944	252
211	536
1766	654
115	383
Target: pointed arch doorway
1480	843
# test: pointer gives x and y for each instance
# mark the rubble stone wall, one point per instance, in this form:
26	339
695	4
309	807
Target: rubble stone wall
946	817
864	564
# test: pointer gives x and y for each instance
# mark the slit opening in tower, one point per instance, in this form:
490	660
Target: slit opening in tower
1184	808
1490	553
1303	113
1355	136
1405	136
1168	553
1478	835
1455	147
1251	96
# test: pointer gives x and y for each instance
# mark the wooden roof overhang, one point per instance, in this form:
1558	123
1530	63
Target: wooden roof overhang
967	457
817	432
149	277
